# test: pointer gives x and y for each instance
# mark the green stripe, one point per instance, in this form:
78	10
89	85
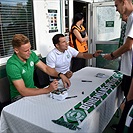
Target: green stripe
97	89
104	96
93	93
131	113
91	109
78	105
98	102
86	99
109	91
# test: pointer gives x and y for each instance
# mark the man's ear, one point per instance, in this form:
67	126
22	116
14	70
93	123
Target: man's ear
16	50
57	45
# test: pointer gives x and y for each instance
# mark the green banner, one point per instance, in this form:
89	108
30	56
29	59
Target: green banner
73	118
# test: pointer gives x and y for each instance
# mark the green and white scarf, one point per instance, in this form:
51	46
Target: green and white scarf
73	118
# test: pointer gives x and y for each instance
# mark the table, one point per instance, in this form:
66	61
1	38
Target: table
34	114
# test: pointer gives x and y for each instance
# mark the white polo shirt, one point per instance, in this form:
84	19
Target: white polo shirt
126	62
61	60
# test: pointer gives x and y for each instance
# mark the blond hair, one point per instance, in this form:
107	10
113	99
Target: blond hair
19	39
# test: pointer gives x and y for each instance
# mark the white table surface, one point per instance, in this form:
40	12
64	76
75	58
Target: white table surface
34	114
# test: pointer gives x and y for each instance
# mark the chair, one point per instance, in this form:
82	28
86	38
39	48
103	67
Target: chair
41	79
4	92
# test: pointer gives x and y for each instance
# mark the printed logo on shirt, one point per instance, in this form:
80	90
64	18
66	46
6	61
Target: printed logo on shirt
68	56
23	71
31	63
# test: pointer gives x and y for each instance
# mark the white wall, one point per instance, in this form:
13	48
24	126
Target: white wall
70	13
43	37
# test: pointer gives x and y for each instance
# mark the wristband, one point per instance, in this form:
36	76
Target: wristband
59	74
111	54
94	55
124	100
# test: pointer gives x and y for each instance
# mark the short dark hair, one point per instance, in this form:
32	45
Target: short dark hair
56	38
19	39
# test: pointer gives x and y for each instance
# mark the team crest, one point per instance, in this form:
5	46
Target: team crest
31	63
68	56
76	115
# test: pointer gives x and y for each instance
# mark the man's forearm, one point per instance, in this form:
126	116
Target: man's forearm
124	48
130	93
120	51
45	68
51	71
34	91
86	55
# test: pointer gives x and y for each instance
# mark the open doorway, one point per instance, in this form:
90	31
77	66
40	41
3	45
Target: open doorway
85	8
81	7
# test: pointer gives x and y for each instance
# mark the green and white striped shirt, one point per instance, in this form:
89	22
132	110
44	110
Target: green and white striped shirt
129	119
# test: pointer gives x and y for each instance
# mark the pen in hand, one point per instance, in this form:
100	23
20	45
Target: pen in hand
86	80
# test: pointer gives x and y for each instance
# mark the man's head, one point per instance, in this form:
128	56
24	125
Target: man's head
21	45
124	6
59	41
119	6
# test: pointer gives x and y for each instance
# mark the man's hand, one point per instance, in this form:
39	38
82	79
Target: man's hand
65	80
107	57
53	86
97	53
69	74
122	106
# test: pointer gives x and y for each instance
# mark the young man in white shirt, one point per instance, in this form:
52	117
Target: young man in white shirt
60	57
125	51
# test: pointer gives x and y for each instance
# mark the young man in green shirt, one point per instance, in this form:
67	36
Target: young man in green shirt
20	69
